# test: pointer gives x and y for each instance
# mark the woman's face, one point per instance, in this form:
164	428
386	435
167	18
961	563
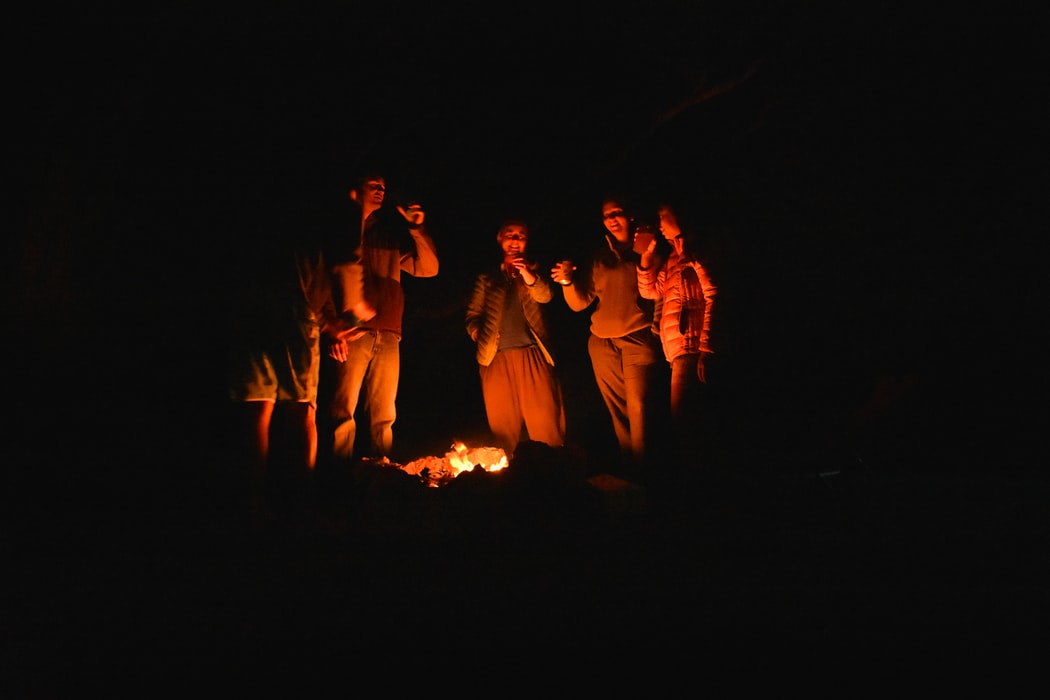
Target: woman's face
616	221
668	223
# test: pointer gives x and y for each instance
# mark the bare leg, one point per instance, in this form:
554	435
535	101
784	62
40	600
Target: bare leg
302	425
292	460
259	415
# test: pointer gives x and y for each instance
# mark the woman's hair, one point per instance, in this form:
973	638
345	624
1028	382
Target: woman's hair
689	222
625	201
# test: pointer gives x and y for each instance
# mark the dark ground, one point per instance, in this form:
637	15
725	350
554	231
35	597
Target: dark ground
164	577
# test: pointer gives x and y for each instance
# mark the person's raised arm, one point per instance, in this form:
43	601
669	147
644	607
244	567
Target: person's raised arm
649	285
423	262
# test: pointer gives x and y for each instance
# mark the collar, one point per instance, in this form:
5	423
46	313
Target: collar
622	251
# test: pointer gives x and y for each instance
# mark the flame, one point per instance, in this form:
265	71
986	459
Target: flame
459	459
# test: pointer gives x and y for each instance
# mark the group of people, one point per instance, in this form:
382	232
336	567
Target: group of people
341	295
650	305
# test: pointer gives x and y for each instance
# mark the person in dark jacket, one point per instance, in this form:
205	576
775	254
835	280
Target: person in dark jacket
505	320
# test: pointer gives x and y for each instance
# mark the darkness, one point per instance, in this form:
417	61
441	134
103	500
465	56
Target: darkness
868	177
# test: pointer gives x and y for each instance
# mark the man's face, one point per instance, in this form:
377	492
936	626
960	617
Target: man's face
373	192
615	220
513	239
370	194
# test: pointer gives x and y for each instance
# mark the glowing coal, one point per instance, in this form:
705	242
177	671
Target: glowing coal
441	470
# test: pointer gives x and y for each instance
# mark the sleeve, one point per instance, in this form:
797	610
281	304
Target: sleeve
651	282
699	292
476	309
580	293
710	291
314	282
423	261
541	290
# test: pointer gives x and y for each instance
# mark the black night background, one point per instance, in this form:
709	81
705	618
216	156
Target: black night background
869	176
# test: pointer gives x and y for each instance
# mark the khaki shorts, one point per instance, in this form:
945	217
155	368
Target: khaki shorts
281	372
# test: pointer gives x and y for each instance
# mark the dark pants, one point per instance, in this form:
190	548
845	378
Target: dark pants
687	399
624	369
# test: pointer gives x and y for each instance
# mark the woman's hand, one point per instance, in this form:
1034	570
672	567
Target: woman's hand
562	272
701	367
648	256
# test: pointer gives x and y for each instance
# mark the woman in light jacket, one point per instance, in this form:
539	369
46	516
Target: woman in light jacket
684	288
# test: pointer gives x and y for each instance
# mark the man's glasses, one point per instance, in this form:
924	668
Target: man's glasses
615	214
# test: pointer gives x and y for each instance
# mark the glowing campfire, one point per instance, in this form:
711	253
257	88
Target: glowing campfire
441	470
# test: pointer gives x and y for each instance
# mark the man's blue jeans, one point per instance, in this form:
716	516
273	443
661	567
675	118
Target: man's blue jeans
373	365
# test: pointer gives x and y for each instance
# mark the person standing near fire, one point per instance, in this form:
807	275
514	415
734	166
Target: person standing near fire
623	346
279	311
686	294
505	320
366	274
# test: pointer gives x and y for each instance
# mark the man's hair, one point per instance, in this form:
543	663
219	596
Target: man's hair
513	222
366	176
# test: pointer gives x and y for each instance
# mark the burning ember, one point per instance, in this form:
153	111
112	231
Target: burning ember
441	470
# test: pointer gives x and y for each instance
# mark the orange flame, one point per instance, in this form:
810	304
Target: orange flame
460	459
